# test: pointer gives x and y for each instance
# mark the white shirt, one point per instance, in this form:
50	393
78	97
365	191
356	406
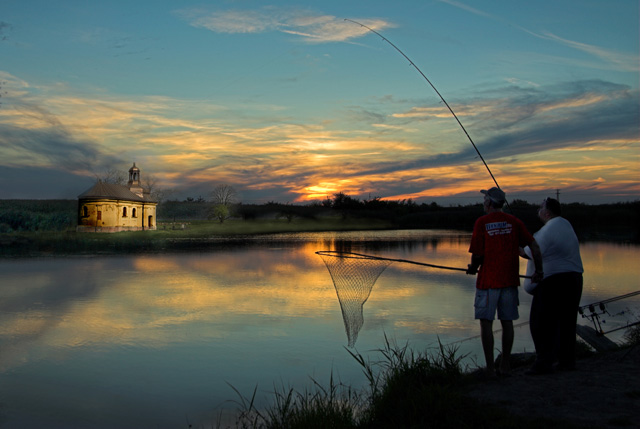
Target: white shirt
560	250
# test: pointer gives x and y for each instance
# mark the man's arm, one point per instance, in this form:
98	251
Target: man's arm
476	261
537	260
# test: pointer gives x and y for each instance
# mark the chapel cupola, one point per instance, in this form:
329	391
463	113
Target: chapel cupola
134	181
134	176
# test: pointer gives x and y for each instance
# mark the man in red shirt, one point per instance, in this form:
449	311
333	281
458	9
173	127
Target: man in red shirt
495	249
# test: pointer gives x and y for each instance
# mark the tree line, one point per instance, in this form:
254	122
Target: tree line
37	215
617	221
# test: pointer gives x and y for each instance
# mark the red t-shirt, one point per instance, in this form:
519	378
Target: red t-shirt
498	236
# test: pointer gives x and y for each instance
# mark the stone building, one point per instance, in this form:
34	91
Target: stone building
107	207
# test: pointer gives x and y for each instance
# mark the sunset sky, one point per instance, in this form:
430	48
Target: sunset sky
288	102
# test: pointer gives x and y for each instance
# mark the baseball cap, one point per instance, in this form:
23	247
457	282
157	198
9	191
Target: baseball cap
496	195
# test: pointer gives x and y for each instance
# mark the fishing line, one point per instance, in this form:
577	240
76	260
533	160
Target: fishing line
437	92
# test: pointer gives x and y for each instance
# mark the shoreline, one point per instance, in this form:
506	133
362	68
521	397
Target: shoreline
203	235
603	392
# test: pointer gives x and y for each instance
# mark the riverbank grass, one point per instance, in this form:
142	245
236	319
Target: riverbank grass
405	389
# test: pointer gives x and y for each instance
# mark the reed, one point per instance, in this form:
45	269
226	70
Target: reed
405	389
632	336
335	406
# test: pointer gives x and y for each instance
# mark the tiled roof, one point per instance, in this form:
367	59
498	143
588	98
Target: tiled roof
112	191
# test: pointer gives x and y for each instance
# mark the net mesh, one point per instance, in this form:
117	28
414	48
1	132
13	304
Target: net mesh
353	278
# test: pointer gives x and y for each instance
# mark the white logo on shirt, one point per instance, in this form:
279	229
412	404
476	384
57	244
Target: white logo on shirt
498	228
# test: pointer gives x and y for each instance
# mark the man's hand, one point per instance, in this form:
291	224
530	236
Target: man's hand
537	277
476	261
472	269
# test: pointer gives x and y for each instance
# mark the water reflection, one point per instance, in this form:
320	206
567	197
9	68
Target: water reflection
146	340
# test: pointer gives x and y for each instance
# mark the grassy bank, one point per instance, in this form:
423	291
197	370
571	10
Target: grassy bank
170	236
405	390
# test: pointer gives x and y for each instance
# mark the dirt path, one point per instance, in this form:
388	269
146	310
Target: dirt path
604	392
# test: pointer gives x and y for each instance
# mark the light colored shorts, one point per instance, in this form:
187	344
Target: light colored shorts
505	300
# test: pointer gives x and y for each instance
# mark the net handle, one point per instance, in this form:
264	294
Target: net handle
406	261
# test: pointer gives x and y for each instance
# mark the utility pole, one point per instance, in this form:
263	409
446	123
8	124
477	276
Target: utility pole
558	195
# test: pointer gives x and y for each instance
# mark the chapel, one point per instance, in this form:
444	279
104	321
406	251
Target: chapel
108	207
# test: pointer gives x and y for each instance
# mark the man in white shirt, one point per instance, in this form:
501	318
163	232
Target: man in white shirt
554	310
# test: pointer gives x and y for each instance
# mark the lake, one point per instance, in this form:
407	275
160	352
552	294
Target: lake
164	340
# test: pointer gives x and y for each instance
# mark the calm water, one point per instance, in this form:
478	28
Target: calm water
156	340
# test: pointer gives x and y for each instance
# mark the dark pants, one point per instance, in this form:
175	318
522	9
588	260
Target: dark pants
553	318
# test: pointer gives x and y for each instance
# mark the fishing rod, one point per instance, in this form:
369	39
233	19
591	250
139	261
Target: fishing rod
597	309
608	300
581	310
437	92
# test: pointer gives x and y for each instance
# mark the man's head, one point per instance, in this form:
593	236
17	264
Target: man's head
549	209
494	198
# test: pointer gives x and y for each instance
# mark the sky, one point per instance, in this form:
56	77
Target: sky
291	102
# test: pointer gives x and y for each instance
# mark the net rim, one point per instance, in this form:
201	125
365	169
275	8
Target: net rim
351	255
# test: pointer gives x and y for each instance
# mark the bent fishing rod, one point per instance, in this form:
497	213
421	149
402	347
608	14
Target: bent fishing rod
437	92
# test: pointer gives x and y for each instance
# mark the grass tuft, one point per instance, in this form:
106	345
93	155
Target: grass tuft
632	335
405	389
411	389
335	406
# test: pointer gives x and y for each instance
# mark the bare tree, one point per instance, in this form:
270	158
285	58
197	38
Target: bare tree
224	195
113	175
159	195
149	182
150	186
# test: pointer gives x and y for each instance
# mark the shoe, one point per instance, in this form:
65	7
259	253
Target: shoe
538	371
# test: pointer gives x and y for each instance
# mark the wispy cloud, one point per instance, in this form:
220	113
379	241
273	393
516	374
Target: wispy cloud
622	61
311	27
545	118
626	62
566	128
468	8
543	134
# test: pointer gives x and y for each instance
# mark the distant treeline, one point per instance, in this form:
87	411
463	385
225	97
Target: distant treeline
619	221
37	215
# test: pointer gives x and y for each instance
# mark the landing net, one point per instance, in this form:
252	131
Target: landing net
353	277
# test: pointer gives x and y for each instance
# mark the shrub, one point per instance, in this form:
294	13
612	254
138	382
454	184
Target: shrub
632	335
